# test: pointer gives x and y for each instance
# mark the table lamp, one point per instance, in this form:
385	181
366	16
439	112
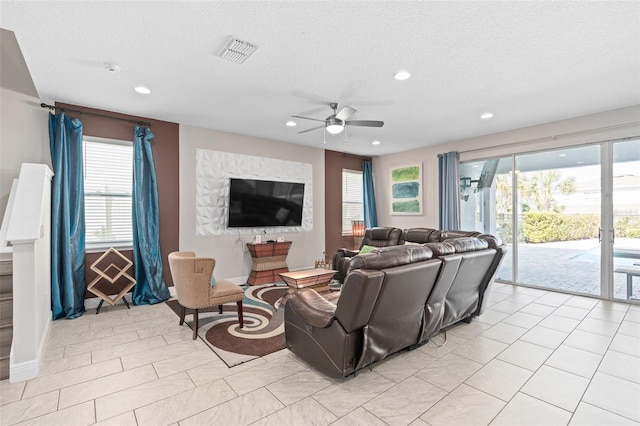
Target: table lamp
357	228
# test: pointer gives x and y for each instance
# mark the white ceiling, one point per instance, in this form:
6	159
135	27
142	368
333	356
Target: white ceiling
527	62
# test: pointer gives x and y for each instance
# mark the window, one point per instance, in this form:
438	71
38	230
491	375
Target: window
352	207
108	181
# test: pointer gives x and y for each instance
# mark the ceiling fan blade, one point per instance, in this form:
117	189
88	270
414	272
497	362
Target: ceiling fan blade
313	128
367	123
308	118
345	112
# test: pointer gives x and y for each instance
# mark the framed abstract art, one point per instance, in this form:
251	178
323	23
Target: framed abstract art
406	189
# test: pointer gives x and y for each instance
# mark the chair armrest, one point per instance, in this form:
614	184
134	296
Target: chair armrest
312	308
348	252
340	262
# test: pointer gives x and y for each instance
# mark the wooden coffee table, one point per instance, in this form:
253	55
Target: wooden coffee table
316	278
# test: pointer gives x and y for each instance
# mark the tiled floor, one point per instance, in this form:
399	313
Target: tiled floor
534	358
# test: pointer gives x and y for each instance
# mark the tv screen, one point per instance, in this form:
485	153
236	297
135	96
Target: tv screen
258	203
488	173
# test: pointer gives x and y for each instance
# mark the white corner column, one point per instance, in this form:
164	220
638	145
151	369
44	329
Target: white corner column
29	232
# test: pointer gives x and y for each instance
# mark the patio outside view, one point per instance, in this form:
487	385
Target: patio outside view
555	240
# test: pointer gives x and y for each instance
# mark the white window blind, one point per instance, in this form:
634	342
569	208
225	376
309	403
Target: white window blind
352	208
108	181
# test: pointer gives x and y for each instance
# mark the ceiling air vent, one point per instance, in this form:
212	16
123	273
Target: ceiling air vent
237	50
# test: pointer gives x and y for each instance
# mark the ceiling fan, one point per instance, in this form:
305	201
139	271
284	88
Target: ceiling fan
336	122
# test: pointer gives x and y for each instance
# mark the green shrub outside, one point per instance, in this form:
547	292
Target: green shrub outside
627	226
545	227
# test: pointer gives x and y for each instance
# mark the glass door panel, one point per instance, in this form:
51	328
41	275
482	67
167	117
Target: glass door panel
558	208
626	219
486	203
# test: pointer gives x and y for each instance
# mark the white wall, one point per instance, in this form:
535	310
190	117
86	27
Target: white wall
24	138
232	258
499	144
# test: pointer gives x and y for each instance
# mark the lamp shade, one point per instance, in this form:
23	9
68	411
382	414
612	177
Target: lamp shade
357	226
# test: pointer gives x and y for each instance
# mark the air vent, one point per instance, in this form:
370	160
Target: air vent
237	50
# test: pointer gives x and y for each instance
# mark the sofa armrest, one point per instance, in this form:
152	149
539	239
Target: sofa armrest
340	262
312	308
348	252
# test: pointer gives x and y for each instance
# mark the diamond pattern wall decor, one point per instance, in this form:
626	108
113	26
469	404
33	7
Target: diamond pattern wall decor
110	271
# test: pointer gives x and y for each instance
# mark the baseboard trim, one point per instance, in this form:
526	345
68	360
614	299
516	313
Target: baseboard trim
19	372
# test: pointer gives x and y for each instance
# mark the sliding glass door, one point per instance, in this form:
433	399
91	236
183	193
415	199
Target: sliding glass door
486	203
570	216
558	206
625	233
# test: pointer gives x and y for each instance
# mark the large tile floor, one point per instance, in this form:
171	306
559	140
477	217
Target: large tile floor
534	358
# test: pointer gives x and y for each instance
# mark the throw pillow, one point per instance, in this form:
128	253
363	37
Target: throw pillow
367	249
213	280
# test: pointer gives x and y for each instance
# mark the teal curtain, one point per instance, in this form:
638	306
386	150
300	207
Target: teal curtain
369	196
448	183
68	284
150	287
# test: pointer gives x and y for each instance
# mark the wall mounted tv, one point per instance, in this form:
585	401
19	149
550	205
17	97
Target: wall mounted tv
259	203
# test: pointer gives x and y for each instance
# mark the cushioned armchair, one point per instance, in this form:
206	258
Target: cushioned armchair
192	281
375	237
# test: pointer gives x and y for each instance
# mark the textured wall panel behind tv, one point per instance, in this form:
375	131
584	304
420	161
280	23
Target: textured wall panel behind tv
213	170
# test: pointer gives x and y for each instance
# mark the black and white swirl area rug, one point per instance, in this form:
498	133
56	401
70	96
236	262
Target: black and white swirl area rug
263	331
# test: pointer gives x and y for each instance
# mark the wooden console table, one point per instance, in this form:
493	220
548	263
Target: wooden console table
269	260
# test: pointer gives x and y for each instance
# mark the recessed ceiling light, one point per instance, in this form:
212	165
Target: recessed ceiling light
579	162
562	155
402	75
375	143
486	115
112	68
142	90
291	123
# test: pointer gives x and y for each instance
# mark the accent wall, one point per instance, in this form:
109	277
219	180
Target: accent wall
233	260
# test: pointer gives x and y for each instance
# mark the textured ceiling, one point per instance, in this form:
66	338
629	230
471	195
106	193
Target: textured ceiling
527	62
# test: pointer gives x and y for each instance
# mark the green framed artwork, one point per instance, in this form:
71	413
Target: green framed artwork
406	189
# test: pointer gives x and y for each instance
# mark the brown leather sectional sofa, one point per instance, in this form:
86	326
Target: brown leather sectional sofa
393	298
388	236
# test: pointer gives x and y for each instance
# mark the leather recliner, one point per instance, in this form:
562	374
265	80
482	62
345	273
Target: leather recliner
375	237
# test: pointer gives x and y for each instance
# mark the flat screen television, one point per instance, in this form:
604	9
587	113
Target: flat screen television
488	174
257	203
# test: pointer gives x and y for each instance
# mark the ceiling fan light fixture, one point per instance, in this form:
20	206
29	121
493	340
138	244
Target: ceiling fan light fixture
334	126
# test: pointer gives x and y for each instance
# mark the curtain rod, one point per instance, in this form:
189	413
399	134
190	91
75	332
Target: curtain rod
553	137
79	112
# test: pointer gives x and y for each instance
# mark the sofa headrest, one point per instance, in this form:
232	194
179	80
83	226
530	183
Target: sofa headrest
446	235
391	236
421	235
387	257
493	240
441	249
466	244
